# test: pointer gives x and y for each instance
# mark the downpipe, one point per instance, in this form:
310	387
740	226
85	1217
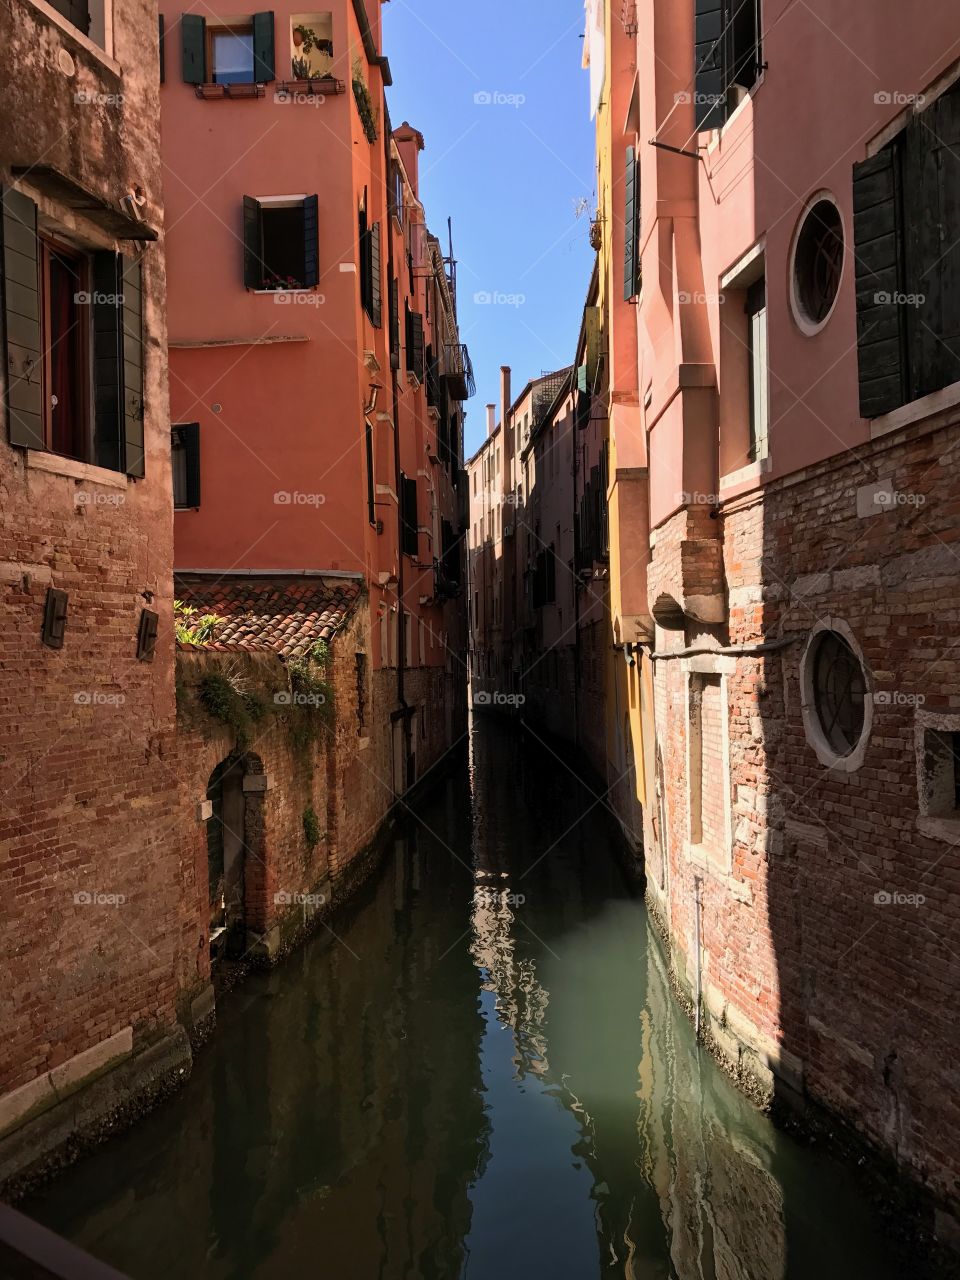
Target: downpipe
697	887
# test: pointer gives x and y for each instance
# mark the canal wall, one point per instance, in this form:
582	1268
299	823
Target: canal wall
809	895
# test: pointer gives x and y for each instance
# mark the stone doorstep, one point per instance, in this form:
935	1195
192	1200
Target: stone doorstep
58	1083
108	1099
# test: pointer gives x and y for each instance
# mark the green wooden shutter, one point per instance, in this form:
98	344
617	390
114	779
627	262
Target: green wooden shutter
160	40
253	270
630	272
186	436
879	273
311	252
710	80
133	406
415	352
107	311
193	40
264	56
21	301
931	185
394	323
376	296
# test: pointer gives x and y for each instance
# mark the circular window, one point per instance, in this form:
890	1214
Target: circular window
817	264
839	690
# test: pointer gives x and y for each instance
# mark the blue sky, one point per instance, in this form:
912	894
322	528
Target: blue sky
509	168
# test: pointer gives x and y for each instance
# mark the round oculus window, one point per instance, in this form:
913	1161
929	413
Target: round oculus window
839	689
818	262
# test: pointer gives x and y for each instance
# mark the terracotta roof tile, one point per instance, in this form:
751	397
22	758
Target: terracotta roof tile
283	614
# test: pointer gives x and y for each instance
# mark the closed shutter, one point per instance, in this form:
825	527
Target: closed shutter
376	295
415	351
107	361
879	273
311	253
252	244
133	407
931	185
408	514
264	57
394	323
21	302
75	11
630	272
710	80
186	440
193	39
161	34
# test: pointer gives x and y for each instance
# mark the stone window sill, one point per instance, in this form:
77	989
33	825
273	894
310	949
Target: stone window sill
84	41
916	411
744	477
60	466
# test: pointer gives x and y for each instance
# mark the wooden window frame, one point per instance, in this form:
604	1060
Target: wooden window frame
48	246
213	29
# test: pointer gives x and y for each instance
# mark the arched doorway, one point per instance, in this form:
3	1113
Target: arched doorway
226	859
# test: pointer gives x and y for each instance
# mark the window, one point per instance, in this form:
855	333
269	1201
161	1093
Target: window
631	228
311	45
908	261
415	347
75	11
226	53
728	57
74	345
410	541
756	310
185	451
941	751
280	242
838	689
817	265
396	192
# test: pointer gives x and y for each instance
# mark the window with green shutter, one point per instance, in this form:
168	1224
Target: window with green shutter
185	458
241	51
280	243
415	345
631	227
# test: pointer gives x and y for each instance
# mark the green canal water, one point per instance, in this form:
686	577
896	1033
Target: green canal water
477	1071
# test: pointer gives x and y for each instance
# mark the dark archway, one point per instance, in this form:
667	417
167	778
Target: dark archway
234	832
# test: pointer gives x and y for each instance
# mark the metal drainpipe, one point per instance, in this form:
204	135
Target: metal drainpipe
697	883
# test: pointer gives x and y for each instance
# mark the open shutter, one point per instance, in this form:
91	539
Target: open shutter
161	25
394	323
878	243
376	295
193	39
186	436
311	253
133	407
710	80
107	360
415	353
630	273
408	514
21	301
264	56
252	244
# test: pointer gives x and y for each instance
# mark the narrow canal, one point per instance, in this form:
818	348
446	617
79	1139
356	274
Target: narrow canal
478	1072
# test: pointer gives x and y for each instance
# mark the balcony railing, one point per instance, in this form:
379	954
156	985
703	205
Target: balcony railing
458	371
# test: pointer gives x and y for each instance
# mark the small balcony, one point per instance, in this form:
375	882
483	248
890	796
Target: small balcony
458	372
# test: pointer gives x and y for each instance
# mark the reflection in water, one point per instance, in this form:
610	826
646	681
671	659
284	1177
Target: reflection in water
482	1075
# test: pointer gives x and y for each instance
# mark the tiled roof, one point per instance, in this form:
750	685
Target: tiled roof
285	614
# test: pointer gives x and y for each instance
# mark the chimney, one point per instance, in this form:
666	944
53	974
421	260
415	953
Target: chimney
505	403
491	419
410	143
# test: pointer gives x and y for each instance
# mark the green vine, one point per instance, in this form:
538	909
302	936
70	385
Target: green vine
368	116
225	697
311	827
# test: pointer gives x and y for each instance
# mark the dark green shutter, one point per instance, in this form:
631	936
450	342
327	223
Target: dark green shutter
879	273
376	295
161	33
193	39
107	315
371	490
311	253
630	273
253	271
133	406
187	437
394	323
415	352
364	241
710	80
264	57
21	302
408	514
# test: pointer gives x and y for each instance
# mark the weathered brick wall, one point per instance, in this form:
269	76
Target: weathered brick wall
91	803
802	963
